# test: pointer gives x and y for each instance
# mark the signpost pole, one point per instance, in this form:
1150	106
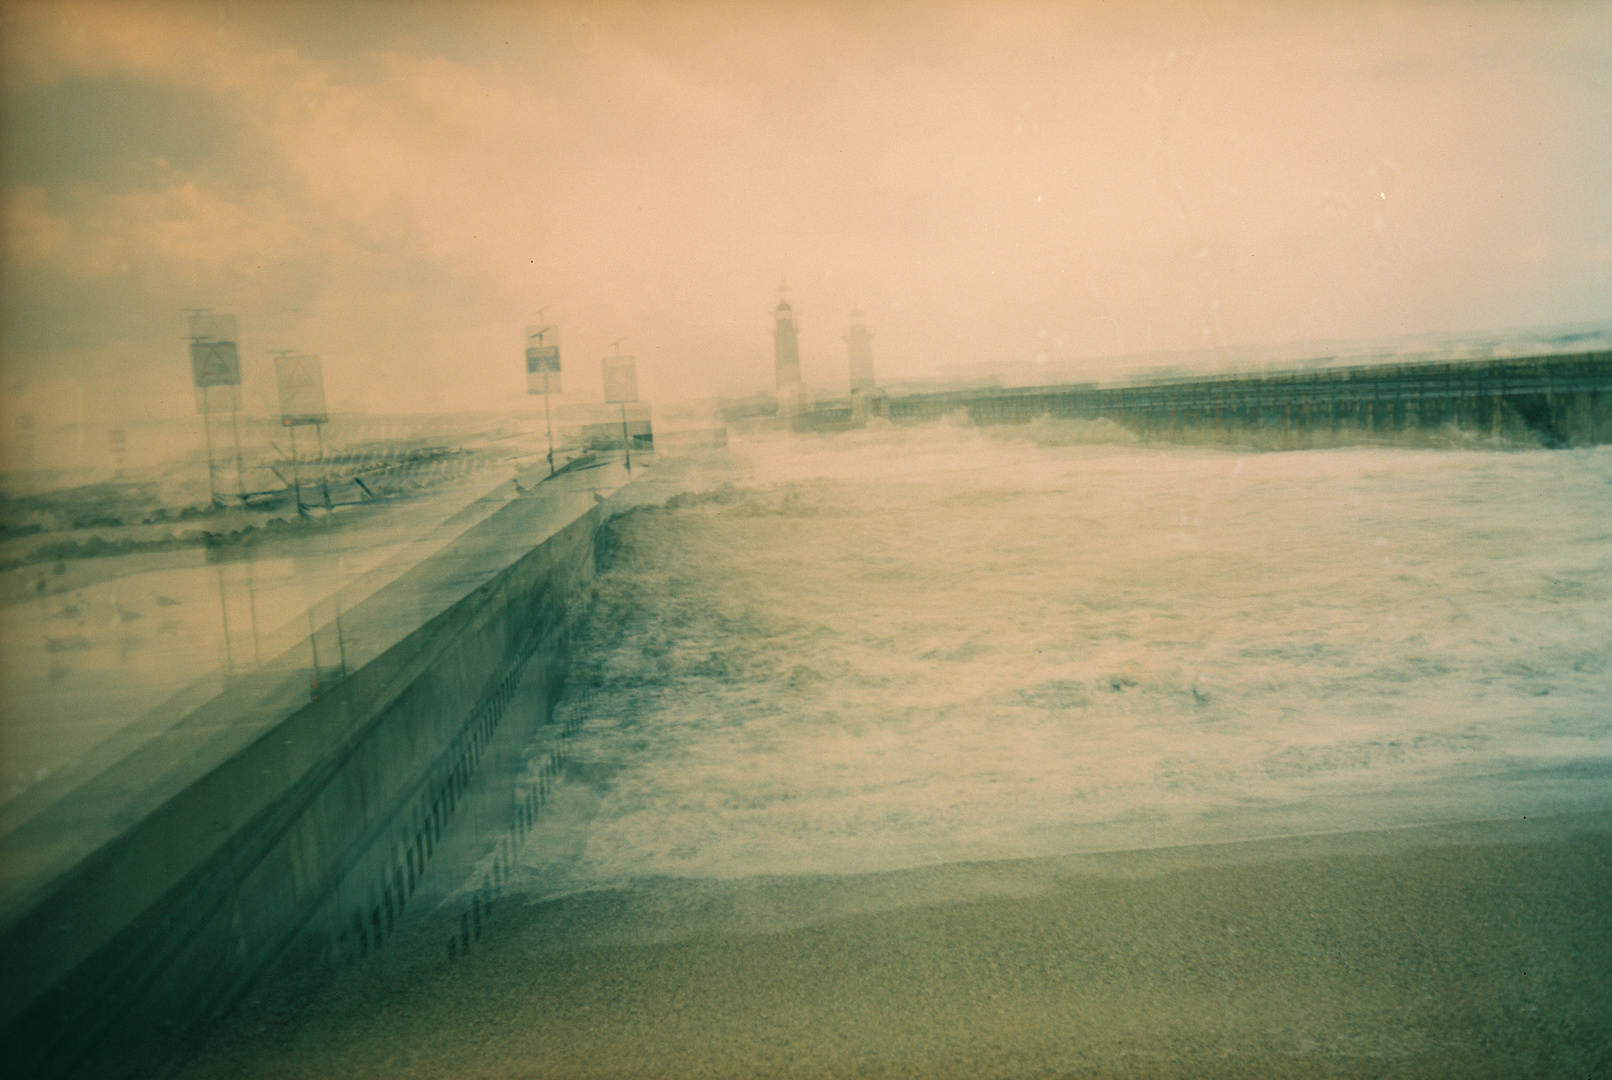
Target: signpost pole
296	471
302	401
324	473
621	386
626	440
548	423
215	361
251	611
223	604
235	426
543	371
207	438
313	644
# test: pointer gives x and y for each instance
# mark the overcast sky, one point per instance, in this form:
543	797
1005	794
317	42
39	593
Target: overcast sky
399	188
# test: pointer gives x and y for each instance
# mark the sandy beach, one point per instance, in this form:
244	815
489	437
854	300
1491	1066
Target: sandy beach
1447	951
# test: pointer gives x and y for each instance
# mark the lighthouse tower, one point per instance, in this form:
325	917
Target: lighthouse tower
860	344
786	346
786	363
866	399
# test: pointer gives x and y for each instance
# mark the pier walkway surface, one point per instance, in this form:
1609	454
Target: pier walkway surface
91	672
281	808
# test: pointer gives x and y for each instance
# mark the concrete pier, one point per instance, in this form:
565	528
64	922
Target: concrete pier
289	820
1552	401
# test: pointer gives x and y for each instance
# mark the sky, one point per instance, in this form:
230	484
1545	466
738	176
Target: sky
400	188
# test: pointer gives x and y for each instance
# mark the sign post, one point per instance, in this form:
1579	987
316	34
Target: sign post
215	363
302	401
620	387
543	373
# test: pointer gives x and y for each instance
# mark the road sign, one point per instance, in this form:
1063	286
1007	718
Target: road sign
620	379
215	363
302	390
542	369
214	360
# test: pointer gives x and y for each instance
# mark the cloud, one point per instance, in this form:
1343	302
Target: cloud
398	187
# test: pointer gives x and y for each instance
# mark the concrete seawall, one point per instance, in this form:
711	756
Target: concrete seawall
1553	401
288	821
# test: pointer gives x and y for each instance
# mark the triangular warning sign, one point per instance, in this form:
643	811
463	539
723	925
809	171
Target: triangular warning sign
215	363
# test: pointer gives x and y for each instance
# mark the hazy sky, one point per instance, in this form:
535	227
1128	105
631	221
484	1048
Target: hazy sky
399	187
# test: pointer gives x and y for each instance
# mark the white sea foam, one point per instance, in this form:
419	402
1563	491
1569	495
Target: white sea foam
907	646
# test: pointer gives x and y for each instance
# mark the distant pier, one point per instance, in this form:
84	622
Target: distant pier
1553	401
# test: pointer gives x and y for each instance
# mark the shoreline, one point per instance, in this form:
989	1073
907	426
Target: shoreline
1393	952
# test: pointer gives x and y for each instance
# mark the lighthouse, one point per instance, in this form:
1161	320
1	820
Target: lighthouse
786	346
860	344
786	363
866	400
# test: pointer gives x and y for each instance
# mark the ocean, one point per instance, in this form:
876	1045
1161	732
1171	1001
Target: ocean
903	647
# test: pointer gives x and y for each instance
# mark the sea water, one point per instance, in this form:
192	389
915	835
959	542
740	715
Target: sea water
903	647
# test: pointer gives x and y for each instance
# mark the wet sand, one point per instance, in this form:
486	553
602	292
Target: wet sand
1452	951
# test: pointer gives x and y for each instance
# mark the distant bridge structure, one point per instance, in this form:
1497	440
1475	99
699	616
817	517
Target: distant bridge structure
1552	401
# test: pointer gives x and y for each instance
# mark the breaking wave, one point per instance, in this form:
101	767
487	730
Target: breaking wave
908	646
